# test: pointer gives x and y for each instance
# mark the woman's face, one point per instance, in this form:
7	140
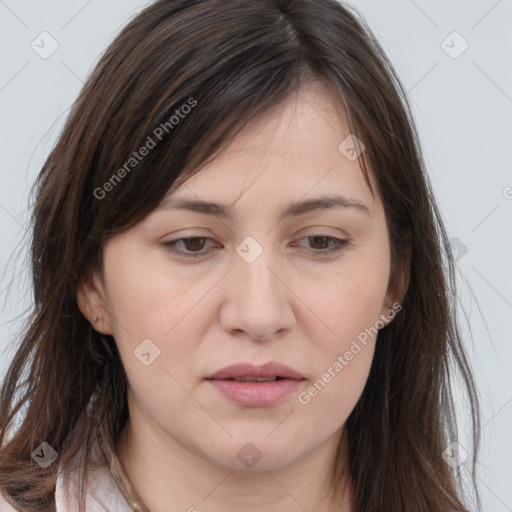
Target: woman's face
254	286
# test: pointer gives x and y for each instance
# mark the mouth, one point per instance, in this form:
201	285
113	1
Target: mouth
256	379
256	386
248	371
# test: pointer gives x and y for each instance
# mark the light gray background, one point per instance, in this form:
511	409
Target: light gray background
463	108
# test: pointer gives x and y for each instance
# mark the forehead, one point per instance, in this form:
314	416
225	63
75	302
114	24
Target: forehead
293	151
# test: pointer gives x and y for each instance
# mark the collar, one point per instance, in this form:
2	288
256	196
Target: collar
102	494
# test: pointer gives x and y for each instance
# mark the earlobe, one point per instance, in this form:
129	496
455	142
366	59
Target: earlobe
92	302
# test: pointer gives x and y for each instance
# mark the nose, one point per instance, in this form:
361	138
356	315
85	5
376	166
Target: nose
257	302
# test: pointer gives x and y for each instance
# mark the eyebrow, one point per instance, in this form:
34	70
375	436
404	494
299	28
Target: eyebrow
293	210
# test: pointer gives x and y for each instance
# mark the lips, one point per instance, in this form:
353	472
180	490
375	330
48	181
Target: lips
249	371
255	386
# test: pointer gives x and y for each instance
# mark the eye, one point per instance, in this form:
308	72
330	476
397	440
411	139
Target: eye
323	240
193	246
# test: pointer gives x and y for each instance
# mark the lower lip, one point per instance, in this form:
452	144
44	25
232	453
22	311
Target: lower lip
256	394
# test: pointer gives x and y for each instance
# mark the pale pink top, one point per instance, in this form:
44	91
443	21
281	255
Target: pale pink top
102	494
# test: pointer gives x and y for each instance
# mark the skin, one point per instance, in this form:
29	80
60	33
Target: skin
291	305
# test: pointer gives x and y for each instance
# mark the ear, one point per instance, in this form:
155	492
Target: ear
398	282
92	302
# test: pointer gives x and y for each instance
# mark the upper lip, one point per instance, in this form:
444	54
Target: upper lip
272	369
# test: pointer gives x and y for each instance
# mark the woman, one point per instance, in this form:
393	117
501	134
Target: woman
243	287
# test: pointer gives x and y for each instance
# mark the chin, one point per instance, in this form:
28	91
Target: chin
242	454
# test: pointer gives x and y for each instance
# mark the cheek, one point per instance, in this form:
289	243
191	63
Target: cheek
349	305
344	352
331	398
348	302
145	299
158	322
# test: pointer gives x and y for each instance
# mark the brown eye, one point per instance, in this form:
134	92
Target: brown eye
191	246
319	240
194	244
323	244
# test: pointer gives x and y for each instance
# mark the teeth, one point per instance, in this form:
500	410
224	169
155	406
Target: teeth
255	379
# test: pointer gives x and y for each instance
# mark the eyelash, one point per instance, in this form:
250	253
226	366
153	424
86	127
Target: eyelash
339	244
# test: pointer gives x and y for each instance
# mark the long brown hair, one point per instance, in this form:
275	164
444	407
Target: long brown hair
230	61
